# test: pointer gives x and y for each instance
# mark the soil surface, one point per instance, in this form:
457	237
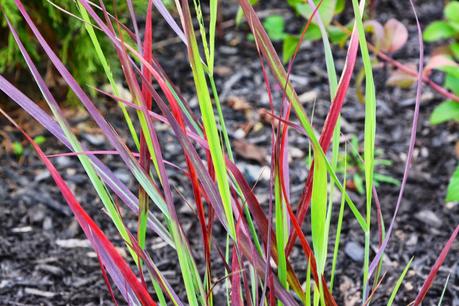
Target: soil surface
45	259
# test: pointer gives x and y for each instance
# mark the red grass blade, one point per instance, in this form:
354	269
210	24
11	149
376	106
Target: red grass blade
433	272
236	298
327	131
120	189
111	259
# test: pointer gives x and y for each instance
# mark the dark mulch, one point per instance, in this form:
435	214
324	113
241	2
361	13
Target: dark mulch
43	262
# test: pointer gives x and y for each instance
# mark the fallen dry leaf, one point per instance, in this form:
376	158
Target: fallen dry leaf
265	117
250	151
246	127
308	96
238	104
223	71
402	79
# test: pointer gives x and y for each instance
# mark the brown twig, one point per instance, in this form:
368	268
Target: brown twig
441	90
438	88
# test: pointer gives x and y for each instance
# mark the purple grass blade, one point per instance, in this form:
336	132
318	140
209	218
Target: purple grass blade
409	158
119	188
134	24
169	19
108	130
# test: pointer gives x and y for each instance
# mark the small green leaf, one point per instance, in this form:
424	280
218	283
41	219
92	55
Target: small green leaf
340	5
358	182
454	47
313	33
18	149
448	110
452	83
40	139
382	178
450	70
454	25
289	47
337	35
452	11
275	26
326	10
452	194
438	30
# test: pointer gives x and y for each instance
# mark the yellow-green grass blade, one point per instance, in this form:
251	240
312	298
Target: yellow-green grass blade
108	71
307	296
277	69
399	283
202	31
208	117
339	225
212	26
319	210
281	230
329	61
440	301
369	134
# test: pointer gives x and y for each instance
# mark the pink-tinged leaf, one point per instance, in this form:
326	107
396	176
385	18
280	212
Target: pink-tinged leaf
433	272
236	298
377	31
437	62
395	36
402	79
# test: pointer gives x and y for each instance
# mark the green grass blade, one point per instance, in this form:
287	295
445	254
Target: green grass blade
108	71
398	283
210	125
281	224
212	26
440	301
369	136
202	31
277	69
339	226
307	297
319	210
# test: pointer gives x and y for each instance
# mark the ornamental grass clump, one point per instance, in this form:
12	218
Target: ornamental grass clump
258	258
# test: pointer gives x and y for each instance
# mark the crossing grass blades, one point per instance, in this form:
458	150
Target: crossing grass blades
258	256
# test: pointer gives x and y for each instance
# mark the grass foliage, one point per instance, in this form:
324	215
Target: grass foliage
257	259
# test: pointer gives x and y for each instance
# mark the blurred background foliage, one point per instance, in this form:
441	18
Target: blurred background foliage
66	35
